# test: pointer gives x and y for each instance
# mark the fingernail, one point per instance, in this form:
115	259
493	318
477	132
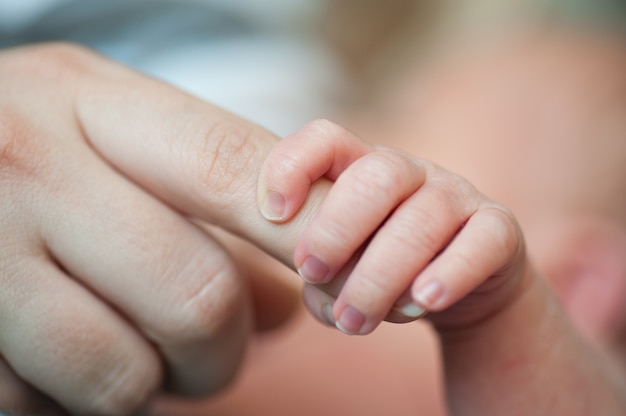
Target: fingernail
410	309
273	206
428	295
407	307
350	321
327	311
313	270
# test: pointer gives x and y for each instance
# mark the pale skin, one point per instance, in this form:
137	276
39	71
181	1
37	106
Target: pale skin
421	224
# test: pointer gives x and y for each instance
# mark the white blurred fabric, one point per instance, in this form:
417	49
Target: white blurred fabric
257	58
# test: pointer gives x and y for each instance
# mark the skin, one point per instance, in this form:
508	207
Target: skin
102	95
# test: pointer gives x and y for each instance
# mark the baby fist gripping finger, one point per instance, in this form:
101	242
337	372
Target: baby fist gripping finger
403	218
370	184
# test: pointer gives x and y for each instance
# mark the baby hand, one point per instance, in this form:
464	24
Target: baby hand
395	234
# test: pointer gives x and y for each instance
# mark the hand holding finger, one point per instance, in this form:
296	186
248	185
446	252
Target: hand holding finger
404	220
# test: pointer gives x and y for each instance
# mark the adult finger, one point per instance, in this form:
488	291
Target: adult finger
274	292
175	284
201	160
65	342
19	398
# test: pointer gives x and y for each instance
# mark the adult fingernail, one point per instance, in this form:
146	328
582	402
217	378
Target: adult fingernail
429	294
313	270
273	206
350	321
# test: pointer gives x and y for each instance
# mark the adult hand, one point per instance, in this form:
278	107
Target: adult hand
108	294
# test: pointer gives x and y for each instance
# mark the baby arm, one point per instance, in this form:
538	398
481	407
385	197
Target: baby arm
394	225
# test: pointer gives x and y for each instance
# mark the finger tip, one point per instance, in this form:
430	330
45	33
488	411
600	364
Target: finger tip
411	310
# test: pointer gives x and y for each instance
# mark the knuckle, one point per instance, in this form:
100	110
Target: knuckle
506	231
42	68
55	61
217	164
20	153
124	389
323	128
377	178
421	234
464	261
455	192
207	310
284	161
102	373
333	232
374	286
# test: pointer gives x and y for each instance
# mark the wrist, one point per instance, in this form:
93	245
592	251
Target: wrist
529	358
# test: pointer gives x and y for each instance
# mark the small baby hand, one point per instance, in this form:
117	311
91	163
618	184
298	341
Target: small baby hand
398	233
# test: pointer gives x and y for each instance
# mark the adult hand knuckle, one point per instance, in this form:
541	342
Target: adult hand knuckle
217	161
21	154
101	377
207	310
125	389
48	63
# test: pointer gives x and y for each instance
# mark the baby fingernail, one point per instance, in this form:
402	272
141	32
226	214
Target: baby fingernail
428	295
327	311
410	310
273	206
350	321
407	307
313	270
